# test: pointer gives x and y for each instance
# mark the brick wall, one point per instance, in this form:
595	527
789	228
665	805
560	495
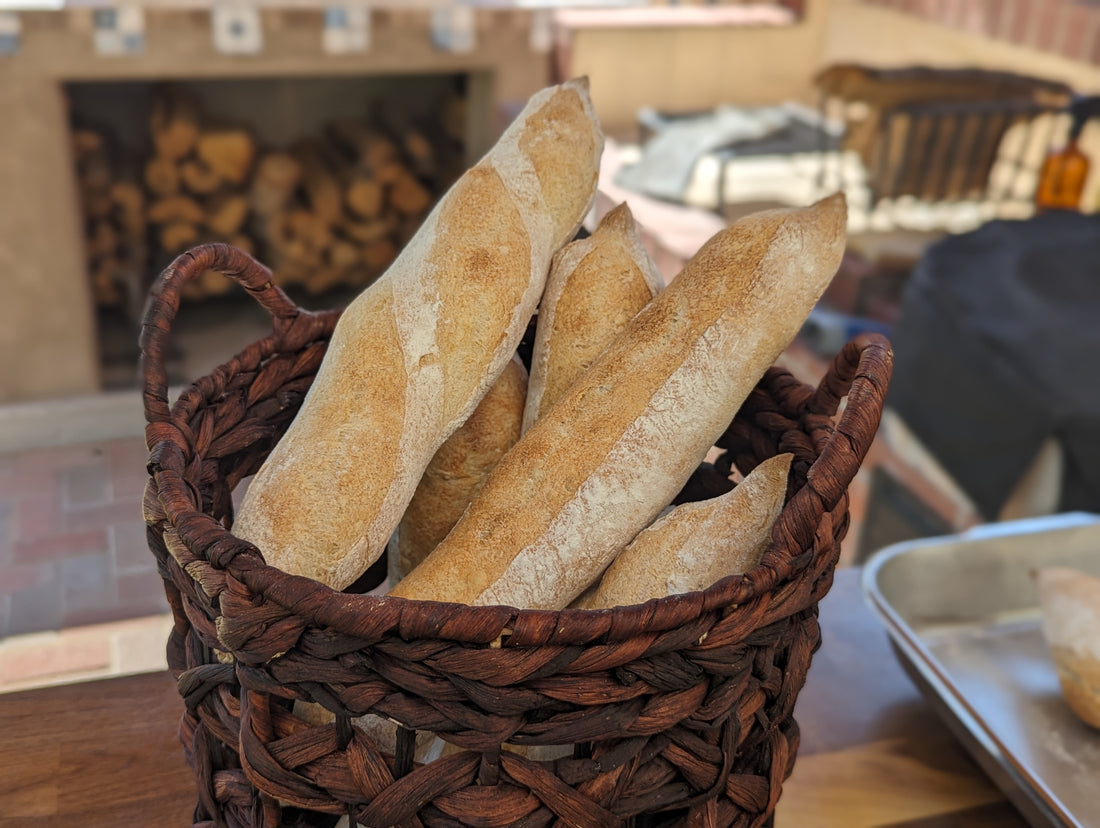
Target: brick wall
1069	28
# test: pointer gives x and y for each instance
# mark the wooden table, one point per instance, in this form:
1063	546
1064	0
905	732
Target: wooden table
873	752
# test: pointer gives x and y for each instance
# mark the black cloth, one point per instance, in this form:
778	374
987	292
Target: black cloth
998	346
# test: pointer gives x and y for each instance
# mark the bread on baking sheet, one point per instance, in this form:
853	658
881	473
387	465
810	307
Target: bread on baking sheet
412	356
1070	605
698	544
596	285
602	463
458	470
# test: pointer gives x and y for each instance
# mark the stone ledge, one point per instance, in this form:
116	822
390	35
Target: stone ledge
84	653
71	420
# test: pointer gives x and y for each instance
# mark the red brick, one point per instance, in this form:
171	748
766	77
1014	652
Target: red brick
994	16
12	483
126	460
38	607
47	461
974	14
1094	50
1022	27
59	547
932	9
1090	48
90	589
128	484
917	8
85	485
126	453
8	479
1046	26
99	614
1009	16
75	520
38	514
1077	26
7	532
130	548
141	594
948	12
25	576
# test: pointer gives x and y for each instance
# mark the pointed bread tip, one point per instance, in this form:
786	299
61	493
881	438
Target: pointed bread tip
619	218
826	221
834	206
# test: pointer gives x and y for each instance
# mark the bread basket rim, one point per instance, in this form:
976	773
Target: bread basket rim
859	372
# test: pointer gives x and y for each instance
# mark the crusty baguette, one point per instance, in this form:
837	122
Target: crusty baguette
596	285
412	356
1070	605
697	544
599	466
459	469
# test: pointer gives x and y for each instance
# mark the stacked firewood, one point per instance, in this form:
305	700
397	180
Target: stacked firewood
335	210
196	179
330	211
114	221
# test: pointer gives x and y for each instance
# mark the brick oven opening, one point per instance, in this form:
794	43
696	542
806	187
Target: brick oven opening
321	179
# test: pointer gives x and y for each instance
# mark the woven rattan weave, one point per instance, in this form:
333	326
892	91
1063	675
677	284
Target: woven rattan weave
675	712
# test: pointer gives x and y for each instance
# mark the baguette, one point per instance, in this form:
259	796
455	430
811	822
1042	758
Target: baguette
412	356
601	464
698	544
459	469
596	285
1070	605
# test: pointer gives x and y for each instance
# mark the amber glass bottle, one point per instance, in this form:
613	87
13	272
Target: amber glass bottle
1063	174
1062	179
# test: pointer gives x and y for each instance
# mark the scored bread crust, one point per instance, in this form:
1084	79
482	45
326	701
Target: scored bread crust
697	544
458	470
596	285
413	355
601	464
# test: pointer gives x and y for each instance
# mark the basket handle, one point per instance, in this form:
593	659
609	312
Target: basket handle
164	302
861	373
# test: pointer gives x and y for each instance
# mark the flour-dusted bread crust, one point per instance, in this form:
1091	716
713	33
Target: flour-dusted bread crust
413	355
601	464
458	470
1070	604
596	285
698	544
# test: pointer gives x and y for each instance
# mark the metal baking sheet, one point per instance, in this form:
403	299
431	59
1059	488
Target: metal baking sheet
963	615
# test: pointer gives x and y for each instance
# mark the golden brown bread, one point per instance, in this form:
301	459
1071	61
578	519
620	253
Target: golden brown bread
412	356
697	544
596	285
1070	604
458	470
601	464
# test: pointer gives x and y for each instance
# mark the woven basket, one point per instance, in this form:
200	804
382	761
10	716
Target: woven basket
677	712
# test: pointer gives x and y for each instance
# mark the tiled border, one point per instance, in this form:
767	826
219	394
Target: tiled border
84	653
